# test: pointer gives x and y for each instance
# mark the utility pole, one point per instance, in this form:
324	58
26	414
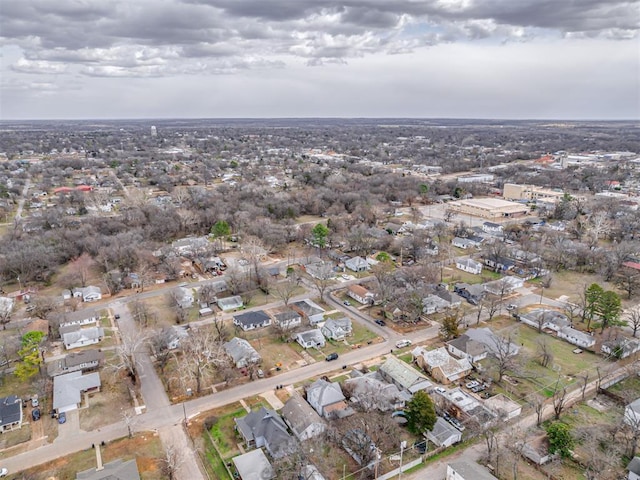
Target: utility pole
403	445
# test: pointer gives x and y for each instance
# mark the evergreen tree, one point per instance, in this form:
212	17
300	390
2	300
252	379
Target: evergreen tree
420	413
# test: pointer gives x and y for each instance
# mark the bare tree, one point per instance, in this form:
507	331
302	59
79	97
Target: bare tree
585	382
285	289
132	343
538	405
173	459
159	342
559	400
129	419
633	320
492	306
141	313
544	352
44	305
504	353
201	355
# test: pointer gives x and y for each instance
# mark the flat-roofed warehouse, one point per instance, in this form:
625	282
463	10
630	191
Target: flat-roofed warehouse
492	208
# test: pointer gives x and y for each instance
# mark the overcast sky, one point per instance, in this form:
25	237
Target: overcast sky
556	59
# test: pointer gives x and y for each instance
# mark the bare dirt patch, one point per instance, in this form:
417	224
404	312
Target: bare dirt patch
106	406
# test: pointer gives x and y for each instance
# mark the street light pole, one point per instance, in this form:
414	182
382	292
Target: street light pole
403	444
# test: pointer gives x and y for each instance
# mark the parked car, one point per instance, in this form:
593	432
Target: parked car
34	401
403	343
347	303
472	384
62	417
382	323
35	414
331	356
260	373
4	472
117	316
512	306
440	390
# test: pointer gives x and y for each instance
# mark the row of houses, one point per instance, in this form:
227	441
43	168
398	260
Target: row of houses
558	323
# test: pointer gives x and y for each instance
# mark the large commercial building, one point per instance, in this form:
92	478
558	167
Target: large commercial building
491	208
517	192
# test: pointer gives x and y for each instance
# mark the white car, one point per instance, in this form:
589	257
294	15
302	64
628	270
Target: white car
512	306
440	390
403	343
4	472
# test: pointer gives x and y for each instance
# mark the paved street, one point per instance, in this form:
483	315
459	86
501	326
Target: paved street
168	419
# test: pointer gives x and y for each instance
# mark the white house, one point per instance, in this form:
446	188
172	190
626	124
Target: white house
462	243
6	306
87	294
360	294
493	228
443	434
69	388
288	319
632	414
504	285
469	265
357	264
82	337
467	470
503	407
230	303
241	352
311	339
302	419
183	296
252	320
337	329
576	337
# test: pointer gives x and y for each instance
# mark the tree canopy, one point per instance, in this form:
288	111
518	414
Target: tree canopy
420	413
560	439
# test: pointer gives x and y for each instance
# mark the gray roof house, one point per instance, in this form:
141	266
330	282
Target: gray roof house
115	470
87	294
337	329
230	303
311	339
83	361
310	310
404	376
357	264
490	340
68	389
10	413
466	347
265	428
467	470
469	265
371	392
288	319
253	465
303	420
443	434
433	303
632	414
327	399
241	352
252	320
634	469
82	337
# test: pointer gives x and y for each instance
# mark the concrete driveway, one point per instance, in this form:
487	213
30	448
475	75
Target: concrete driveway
71	427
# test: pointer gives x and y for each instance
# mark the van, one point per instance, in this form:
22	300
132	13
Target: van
331	356
403	343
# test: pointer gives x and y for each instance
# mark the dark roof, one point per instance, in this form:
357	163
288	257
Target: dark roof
634	465
116	470
10	410
251	318
267	424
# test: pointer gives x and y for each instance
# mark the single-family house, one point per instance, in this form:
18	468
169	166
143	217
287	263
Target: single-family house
77	319
252	320
503	407
492	228
254	465
466	347
183	296
620	347
69	388
443	434
265	428
190	245
360	294
337	329
576	337
320	270
430	249
440	365
432	303
303	420
115	470
545	319
10	413
327	399
241	352
504	285
462	243
230	303
309	310
499	264
174	335
81	337
288	319
84	361
467	470
404	376
357	264
634	469
371	392
495	345
87	294
632	414
471	293
311	339
469	265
